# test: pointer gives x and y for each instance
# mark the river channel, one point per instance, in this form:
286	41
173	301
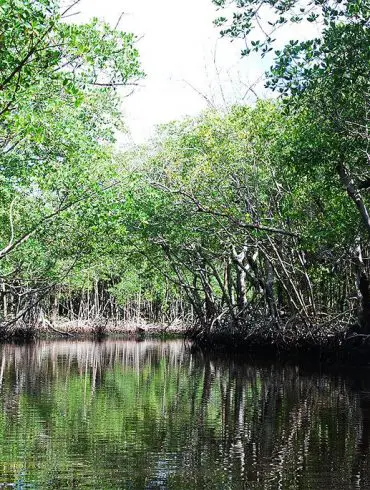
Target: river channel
159	415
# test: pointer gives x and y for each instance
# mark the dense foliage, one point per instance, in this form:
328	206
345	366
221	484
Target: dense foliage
59	114
252	221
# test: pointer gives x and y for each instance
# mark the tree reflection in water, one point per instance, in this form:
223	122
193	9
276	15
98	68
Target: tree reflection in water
121	414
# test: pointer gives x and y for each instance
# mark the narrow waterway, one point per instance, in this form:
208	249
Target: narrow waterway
152	415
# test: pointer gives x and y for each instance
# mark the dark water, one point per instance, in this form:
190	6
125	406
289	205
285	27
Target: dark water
125	415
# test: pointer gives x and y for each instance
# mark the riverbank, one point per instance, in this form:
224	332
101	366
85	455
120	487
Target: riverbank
335	345
97	328
339	345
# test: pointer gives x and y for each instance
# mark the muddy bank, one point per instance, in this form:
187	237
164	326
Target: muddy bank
94	329
343	347
337	346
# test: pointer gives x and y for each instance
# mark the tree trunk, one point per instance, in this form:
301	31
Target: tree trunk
363	285
240	281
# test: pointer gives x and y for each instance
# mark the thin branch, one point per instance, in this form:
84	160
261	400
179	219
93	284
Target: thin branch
119	20
201	208
11	246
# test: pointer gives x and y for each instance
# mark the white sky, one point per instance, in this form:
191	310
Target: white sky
180	47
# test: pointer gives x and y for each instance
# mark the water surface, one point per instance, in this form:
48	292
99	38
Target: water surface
151	415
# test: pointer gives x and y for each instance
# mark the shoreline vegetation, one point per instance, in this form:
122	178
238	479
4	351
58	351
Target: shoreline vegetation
100	329
342	346
249	224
